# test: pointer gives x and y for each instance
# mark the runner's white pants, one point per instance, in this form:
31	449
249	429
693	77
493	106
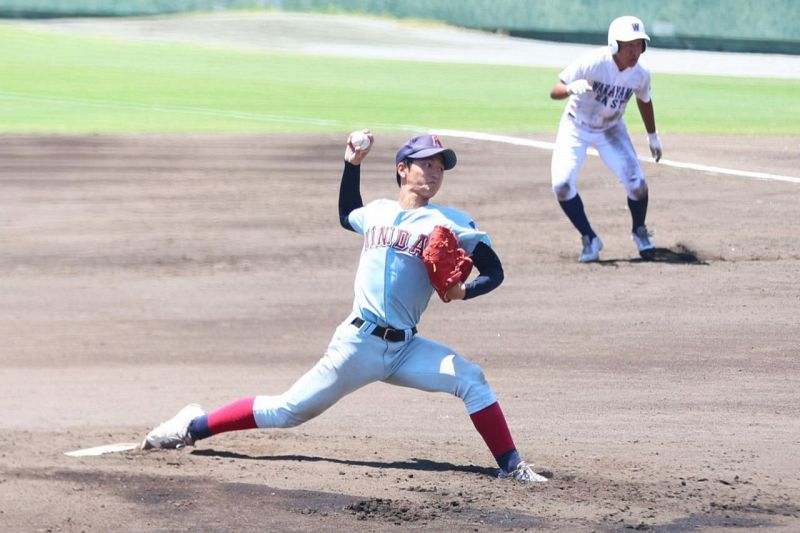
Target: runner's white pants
615	148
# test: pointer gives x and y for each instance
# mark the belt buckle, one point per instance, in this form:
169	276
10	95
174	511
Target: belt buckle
387	332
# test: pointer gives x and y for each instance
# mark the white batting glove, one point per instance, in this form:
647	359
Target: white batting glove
655	145
578	87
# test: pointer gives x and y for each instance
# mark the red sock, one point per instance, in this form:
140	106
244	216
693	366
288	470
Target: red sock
232	417
491	424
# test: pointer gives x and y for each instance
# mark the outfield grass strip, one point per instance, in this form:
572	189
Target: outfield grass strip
113	104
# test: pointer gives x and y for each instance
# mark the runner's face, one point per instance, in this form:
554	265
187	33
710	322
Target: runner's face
628	54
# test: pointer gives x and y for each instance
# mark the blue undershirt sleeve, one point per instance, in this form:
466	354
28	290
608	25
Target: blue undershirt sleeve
490	271
349	193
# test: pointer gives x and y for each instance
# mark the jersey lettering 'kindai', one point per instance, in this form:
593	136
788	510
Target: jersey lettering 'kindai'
604	105
391	286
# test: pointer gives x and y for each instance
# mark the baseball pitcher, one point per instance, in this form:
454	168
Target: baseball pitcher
411	248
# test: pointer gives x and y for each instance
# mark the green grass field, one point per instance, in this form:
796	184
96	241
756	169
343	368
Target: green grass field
64	84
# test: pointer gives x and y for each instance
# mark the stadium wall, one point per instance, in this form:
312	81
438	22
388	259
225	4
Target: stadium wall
768	26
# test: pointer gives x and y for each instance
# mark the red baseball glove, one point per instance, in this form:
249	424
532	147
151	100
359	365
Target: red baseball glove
447	264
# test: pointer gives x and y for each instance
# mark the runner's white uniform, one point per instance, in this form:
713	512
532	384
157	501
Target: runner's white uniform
391	290
595	119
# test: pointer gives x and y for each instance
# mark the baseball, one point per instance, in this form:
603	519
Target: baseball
359	140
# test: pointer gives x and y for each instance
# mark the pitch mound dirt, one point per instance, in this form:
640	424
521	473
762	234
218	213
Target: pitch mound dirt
138	274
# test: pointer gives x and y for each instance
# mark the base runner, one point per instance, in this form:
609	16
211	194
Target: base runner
598	86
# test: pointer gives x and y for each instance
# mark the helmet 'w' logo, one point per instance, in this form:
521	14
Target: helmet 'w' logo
635	26
436	141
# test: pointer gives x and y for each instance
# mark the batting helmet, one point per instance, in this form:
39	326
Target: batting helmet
626	29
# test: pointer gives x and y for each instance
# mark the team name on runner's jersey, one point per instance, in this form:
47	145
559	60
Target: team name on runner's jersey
612	96
394	237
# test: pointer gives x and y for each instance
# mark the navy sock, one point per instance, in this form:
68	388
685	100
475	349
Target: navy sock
509	460
577	215
198	428
638	212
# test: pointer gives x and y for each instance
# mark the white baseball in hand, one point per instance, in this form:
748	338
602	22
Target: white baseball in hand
359	140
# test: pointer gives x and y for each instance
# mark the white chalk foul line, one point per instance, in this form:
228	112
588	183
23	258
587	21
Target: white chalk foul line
519	141
100	450
730	171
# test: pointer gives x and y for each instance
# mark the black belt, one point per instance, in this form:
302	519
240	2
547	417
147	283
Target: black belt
387	334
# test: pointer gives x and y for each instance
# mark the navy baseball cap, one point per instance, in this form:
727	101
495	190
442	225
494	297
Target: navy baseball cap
425	146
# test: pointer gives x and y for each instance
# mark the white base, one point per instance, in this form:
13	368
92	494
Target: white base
100	450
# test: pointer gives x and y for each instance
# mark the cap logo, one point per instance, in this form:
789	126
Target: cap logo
436	141
635	26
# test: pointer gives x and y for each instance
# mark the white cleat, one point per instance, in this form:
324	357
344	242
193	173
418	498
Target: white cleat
523	472
647	250
591	249
174	433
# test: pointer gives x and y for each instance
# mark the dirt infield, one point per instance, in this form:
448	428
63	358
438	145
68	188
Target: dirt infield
138	274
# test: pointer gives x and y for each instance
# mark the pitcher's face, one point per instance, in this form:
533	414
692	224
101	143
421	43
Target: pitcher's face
423	176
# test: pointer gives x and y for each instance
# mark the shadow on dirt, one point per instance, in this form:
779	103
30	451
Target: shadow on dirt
698	522
413	464
681	255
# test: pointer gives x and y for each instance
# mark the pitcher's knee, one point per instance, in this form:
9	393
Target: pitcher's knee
473	373
473	387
